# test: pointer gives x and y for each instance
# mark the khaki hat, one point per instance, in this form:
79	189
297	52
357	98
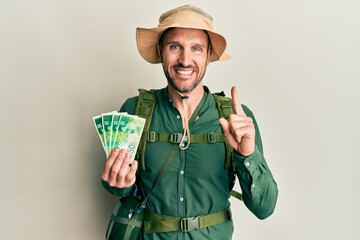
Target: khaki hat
187	16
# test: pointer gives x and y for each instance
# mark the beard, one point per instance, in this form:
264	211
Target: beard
186	88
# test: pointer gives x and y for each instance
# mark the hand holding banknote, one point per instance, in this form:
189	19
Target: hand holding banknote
117	170
120	135
119	130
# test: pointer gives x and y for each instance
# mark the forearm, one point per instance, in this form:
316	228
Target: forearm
258	186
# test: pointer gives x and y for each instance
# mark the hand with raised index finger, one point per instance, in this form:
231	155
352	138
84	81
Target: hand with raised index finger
239	129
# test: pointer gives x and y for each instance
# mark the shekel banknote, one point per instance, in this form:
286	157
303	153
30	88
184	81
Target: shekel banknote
129	133
107	119
115	127
119	130
115	138
100	130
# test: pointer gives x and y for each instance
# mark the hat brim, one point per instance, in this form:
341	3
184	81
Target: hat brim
147	40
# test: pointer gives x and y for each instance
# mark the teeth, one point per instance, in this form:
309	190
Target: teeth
184	72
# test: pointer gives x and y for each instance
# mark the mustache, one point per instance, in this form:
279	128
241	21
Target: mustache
182	66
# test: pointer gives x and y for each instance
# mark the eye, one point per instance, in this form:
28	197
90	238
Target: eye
174	47
197	49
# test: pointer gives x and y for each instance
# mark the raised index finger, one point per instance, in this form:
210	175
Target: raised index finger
236	103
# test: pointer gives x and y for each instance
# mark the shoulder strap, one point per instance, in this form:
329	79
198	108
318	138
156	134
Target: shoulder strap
224	104
226	108
144	108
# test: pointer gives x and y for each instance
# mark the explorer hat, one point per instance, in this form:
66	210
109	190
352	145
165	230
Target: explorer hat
187	16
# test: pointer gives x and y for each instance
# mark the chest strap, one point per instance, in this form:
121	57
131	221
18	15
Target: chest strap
156	223
176	137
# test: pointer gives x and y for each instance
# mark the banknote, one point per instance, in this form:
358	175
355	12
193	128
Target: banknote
100	130
129	133
107	119
119	130
115	126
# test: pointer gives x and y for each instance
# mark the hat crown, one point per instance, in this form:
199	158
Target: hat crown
188	16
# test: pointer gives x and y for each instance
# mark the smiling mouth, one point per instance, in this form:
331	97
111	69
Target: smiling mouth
184	72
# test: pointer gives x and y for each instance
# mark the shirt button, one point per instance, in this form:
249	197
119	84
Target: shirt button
247	164
181	172
252	185
181	199
178	116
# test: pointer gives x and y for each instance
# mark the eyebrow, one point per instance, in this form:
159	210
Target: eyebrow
194	44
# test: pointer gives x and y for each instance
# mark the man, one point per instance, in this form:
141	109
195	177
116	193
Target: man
197	183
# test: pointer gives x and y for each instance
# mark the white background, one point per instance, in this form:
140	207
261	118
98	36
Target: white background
296	65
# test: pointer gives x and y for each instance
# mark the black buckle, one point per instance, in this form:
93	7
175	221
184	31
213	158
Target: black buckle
211	138
151	136
189	224
175	137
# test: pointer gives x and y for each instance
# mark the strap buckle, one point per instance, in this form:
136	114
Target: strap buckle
211	137
175	137
189	224
151	136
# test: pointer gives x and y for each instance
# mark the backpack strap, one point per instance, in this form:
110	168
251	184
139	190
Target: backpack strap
144	108
176	137
226	108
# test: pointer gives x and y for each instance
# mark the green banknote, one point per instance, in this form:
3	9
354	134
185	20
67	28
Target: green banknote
129	133
107	119
100	130
115	127
119	130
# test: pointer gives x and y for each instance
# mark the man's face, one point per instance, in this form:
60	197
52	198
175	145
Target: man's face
185	53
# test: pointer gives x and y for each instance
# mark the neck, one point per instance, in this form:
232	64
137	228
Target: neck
192	100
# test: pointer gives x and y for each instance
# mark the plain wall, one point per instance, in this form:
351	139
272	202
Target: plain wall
295	63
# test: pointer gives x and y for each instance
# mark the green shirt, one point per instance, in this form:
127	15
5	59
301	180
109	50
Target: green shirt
197	183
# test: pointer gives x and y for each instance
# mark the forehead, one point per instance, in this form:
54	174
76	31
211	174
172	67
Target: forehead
185	34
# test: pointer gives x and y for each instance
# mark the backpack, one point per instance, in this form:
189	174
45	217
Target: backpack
145	107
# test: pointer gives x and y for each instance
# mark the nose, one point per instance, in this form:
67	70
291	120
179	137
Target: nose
185	57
